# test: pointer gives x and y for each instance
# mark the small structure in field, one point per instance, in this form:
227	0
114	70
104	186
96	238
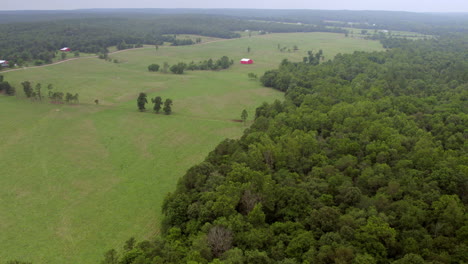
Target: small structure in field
65	49
246	61
4	63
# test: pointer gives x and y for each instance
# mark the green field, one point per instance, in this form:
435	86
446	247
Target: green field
77	180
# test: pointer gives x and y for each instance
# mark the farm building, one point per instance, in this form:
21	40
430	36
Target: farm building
4	63
246	61
65	49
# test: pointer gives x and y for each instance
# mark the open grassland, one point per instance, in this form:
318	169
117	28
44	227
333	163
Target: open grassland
77	180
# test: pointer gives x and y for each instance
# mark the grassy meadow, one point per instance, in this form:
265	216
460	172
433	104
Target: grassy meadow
77	180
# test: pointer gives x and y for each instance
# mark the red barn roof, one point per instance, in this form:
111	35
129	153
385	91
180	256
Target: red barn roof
246	61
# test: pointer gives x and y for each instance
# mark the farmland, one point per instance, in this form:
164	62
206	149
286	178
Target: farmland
80	179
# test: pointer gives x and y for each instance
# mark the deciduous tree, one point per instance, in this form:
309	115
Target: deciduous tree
167	107
153	67
157	101
27	88
141	101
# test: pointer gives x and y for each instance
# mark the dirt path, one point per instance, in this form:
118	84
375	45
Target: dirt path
88	57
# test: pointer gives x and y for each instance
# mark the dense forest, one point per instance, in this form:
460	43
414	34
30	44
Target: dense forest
364	162
25	42
29	36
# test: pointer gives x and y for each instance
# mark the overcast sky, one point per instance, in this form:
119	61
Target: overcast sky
392	5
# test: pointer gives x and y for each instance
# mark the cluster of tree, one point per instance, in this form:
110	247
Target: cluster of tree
54	96
313	59
165	68
364	162
158	104
182	42
220	64
6	87
284	48
179	68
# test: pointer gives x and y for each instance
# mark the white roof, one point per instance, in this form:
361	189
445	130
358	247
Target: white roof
2	61
64	48
244	59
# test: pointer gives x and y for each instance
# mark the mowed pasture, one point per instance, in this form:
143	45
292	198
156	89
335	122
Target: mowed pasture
77	180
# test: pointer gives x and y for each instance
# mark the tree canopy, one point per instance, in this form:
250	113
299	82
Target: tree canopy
364	162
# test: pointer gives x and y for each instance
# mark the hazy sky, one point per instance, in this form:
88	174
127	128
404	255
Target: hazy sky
394	5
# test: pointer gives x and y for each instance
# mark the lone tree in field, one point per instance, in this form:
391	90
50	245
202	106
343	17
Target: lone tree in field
141	101
167	106
157	101
244	115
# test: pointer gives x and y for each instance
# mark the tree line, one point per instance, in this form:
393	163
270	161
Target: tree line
363	162
57	97
179	68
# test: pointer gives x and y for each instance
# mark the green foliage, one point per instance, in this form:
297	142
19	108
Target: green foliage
182	42
252	76
313	59
167	106
129	244
6	87
27	88
94	33
110	257
244	115
178	68
153	67
354	167
70	98
157	101
141	101
220	64
123	45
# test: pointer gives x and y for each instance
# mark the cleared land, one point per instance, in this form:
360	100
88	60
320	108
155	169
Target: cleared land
77	180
